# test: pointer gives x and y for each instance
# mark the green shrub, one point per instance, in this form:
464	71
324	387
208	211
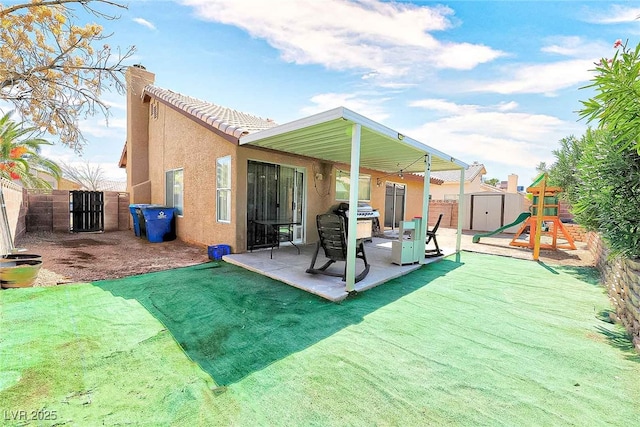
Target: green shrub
606	192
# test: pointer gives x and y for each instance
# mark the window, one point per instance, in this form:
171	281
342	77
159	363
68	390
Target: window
223	189
174	189
343	183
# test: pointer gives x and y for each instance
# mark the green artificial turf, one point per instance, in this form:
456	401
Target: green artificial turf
485	340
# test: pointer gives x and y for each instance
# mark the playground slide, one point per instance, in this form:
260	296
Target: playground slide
521	218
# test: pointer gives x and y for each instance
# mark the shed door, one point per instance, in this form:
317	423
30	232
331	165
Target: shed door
87	211
487	212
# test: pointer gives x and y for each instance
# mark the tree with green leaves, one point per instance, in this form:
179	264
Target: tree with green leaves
492	181
601	184
615	105
607	193
20	157
564	171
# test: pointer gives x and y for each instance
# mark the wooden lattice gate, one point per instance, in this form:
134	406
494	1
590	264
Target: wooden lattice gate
87	211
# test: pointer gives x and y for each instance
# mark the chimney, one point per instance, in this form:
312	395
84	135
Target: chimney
138	134
512	183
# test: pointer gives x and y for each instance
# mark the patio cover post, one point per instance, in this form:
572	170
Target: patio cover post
354	178
460	211
425	206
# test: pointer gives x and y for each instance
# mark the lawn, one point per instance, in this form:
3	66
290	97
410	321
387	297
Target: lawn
479	340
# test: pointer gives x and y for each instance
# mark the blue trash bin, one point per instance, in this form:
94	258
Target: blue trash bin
159	223
134	215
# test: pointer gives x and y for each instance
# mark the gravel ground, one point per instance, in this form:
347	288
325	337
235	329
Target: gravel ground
86	257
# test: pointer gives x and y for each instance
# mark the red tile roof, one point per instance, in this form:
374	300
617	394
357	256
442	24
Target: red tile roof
227	120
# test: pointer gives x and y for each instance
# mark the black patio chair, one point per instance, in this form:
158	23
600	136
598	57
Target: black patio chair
333	240
431	236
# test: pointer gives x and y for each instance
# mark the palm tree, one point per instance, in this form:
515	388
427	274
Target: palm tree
20	155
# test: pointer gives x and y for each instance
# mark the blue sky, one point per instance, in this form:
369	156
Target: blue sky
494	82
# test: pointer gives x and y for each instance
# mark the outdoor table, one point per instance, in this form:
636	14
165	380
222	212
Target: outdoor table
280	228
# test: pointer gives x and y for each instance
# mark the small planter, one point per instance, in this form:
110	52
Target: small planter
19	270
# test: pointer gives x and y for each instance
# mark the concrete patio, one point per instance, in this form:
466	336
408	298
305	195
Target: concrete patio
290	267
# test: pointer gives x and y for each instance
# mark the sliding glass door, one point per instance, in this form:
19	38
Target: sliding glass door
274	193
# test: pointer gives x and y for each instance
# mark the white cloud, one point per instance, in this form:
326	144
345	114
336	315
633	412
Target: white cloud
539	78
60	155
443	106
496	135
144	23
371	108
119	105
384	41
576	47
615	15
98	128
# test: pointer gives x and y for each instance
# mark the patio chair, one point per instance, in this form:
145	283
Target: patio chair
333	240
431	236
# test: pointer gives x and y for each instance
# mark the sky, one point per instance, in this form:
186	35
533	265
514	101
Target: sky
497	82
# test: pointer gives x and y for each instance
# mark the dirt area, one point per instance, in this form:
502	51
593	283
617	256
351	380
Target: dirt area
85	257
499	245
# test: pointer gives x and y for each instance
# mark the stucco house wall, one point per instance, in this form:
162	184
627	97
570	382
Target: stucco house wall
162	136
176	142
451	190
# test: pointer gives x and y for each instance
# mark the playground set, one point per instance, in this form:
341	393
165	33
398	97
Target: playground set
542	220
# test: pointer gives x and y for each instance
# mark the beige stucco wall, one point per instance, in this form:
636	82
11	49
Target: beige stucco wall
413	191
177	142
452	189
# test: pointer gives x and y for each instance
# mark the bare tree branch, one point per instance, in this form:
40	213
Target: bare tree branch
50	69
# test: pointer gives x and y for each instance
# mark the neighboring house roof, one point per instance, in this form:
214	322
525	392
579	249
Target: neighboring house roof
120	186
123	157
227	120
492	189
454	176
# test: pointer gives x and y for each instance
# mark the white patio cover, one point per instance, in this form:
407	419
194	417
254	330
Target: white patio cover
343	136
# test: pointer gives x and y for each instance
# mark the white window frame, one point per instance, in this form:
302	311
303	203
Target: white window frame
178	205
363	177
222	188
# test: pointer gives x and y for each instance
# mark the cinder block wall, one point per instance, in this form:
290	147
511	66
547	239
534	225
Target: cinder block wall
621	277
50	212
60	213
446	207
576	231
124	215
39	212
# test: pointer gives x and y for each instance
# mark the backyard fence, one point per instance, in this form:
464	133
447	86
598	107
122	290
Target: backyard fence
51	211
